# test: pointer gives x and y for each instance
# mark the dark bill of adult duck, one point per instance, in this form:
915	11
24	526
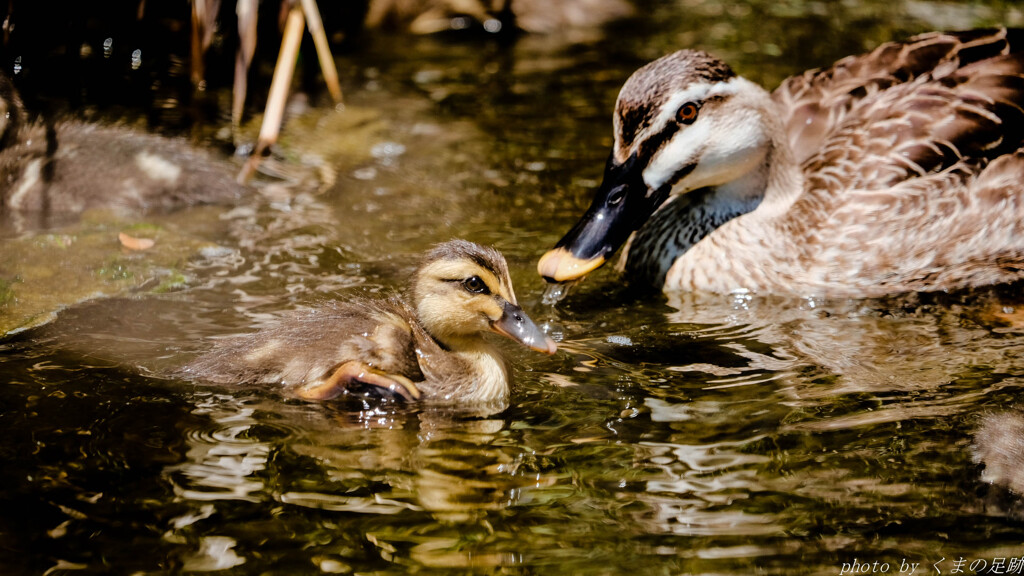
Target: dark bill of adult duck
621	205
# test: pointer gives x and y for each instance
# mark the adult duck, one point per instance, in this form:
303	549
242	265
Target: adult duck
894	171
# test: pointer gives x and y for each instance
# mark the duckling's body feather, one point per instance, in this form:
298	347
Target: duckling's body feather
898	170
306	348
80	166
427	344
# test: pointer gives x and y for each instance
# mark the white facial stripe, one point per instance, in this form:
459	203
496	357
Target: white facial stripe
693	93
684	148
719	148
688	145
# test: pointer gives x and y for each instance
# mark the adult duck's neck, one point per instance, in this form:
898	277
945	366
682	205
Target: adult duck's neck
777	181
762	194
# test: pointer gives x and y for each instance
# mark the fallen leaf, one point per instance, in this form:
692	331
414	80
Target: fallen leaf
133	243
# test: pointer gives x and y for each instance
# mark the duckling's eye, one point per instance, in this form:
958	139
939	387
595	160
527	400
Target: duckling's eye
687	113
475	285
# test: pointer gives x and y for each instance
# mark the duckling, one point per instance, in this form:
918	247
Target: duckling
70	166
425	345
895	171
494	16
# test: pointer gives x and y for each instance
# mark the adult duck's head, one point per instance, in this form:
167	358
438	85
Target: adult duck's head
462	290
682	122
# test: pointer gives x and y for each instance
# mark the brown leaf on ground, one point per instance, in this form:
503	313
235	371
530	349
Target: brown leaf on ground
133	243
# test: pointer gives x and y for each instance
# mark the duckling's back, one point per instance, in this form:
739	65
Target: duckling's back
305	347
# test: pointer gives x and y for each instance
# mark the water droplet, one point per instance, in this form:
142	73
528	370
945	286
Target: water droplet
427	76
740	299
368	173
620	340
554	330
492	25
556	292
387	152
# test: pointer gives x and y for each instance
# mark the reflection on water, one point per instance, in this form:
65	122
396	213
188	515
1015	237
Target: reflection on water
702	434
222	462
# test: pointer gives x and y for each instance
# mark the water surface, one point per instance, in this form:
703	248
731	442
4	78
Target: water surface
697	434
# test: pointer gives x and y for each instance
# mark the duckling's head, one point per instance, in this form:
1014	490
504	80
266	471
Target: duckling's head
462	289
683	122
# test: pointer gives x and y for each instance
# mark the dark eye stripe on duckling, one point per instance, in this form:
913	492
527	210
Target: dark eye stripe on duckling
473	278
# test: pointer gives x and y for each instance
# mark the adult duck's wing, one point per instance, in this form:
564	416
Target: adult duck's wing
926	177
814	104
966	118
954	229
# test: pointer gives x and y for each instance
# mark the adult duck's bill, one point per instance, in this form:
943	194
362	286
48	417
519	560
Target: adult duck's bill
515	324
621	205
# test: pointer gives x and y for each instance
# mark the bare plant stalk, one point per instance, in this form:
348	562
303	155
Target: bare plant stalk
247	15
278	97
323	50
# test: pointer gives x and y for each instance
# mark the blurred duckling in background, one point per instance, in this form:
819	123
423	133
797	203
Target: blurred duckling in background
425	345
70	166
494	16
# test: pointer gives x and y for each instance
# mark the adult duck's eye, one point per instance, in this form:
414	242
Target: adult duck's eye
687	113
475	284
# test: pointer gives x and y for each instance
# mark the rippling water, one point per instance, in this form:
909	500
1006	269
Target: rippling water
700	434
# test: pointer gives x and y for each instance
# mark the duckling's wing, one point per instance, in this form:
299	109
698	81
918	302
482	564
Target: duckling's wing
306	347
387	341
816	103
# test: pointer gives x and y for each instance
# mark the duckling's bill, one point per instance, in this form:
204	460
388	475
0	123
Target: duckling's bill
515	324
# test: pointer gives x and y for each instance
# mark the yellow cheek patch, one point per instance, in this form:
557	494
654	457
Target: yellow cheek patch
487	306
